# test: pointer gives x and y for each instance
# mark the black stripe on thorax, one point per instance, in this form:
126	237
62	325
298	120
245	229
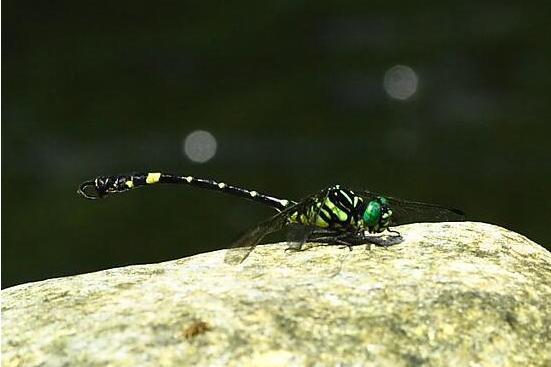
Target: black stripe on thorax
343	200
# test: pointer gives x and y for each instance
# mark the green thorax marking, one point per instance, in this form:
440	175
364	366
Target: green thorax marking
335	208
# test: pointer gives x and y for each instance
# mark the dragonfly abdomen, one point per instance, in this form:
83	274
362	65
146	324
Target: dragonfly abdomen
105	185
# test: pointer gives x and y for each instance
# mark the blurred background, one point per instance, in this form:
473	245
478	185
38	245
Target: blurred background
440	102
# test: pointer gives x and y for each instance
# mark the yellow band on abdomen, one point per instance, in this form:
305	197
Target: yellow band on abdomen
153	177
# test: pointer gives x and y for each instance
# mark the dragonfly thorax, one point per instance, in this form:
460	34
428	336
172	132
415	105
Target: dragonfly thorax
341	209
333	208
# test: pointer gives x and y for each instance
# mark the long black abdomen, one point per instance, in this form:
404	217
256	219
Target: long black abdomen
106	185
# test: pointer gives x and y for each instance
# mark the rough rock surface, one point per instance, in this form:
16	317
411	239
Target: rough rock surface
451	294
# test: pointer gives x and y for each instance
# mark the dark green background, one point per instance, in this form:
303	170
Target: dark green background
293	93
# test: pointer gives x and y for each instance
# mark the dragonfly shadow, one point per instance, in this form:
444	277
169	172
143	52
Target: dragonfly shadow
297	241
328	238
383	241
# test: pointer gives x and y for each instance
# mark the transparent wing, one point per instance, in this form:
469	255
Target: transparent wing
302	233
241	248
405	211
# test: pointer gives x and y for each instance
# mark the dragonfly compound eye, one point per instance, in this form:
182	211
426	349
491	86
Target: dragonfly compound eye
372	213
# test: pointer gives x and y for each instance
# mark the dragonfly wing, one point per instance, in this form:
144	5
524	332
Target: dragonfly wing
405	211
243	246
302	233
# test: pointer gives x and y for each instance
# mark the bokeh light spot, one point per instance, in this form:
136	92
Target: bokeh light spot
200	146
400	82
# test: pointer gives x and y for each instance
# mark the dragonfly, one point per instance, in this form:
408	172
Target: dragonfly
335	214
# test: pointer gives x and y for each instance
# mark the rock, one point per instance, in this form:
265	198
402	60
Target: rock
451	294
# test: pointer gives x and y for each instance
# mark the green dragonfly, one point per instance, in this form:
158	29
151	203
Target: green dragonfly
333	215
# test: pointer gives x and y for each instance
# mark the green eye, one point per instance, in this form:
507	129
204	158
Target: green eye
372	213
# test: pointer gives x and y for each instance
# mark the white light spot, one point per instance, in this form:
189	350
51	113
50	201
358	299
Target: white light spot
400	82
200	146
189	178
221	185
253	193
284	202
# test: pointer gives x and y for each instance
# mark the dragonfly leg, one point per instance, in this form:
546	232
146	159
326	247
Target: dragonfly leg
344	239
393	231
322	235
355	239
295	248
344	244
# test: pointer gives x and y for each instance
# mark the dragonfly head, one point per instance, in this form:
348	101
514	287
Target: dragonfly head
377	215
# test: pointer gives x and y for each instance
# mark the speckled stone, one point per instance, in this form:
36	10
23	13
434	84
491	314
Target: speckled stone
451	294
